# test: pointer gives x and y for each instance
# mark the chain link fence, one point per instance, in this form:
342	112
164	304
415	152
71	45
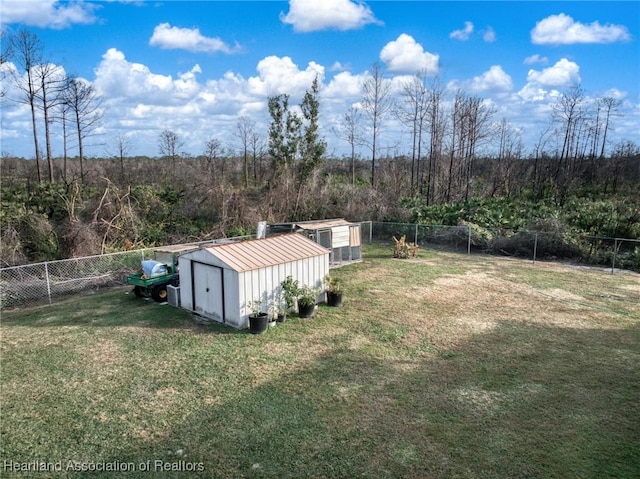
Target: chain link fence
40	283
43	283
613	253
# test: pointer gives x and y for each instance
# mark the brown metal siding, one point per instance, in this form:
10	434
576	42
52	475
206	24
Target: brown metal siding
354	234
261	253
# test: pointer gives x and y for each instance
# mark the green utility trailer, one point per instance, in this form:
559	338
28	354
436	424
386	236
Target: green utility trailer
158	273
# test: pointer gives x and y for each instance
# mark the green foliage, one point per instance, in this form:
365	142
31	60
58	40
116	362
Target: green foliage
290	289
610	217
614	218
313	147
20	199
284	134
39	241
307	295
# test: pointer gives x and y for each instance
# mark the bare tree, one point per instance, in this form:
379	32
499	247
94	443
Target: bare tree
26	49
470	121
412	110
569	113
212	150
257	150
509	151
376	102
436	122
244	131
610	105
350	130
49	94
169	145
5	54
84	105
477	121
120	151
540	172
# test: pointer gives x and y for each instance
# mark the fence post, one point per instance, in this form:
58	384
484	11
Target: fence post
535	247
468	240
416	235
615	251
46	277
370	232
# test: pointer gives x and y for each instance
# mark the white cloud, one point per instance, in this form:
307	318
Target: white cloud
495	79
338	67
142	103
168	37
311	15
463	34
48	13
489	35
116	77
343	85
563	74
563	30
406	55
280	75
532	59
615	93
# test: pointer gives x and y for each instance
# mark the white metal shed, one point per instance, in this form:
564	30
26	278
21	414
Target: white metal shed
220	281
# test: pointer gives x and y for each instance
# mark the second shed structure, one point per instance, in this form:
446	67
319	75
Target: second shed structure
341	237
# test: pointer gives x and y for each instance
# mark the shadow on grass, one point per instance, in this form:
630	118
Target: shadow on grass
519	400
115	308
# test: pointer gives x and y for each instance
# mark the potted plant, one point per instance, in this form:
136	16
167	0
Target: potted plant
289	291
274	312
278	310
257	319
334	290
307	298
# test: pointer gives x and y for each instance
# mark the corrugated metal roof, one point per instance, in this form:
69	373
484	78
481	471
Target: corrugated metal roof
321	224
261	253
176	248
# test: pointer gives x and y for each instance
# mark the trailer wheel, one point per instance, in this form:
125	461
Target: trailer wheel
137	290
159	293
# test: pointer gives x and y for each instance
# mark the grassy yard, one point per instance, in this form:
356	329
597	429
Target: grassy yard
443	366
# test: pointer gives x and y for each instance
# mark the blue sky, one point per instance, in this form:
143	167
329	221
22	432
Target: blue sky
194	67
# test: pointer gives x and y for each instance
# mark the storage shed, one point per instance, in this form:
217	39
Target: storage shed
220	281
341	237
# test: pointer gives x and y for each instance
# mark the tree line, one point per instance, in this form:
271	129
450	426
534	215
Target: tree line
459	151
58	98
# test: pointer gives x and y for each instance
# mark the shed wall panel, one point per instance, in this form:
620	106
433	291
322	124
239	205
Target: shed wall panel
355	235
186	293
232	314
340	236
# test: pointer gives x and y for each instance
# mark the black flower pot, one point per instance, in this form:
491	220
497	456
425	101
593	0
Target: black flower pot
334	299
306	311
281	318
258	324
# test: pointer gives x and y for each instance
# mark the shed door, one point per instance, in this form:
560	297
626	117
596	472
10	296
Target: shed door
208	294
